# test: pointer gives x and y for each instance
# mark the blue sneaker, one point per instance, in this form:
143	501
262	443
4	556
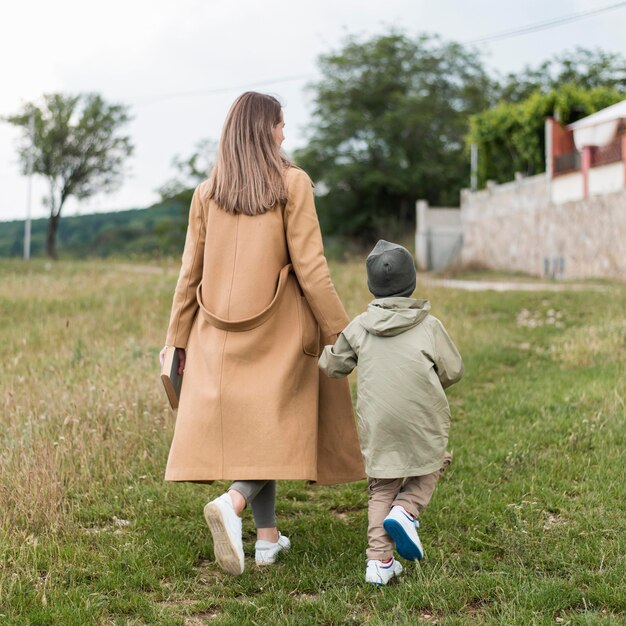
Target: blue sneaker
403	530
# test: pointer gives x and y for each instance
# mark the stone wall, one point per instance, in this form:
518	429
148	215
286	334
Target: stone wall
515	227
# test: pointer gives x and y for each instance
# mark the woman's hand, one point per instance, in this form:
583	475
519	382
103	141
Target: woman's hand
182	357
162	355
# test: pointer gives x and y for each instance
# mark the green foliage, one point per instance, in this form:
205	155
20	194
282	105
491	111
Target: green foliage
585	68
189	172
511	136
153	232
75	143
390	116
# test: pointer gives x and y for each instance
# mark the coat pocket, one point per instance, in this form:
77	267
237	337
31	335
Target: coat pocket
309	329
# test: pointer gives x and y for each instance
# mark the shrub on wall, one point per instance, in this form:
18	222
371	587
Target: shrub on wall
511	138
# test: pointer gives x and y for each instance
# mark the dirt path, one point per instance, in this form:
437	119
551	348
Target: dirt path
144	269
487	285
424	279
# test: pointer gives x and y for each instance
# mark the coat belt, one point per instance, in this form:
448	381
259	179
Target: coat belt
247	323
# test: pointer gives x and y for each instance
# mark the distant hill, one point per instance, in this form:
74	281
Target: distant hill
155	231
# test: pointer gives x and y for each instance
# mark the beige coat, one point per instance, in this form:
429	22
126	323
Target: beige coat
405	361
252	296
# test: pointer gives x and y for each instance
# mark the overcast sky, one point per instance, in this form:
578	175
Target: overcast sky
164	57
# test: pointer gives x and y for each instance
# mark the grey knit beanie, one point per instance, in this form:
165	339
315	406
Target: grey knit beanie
390	270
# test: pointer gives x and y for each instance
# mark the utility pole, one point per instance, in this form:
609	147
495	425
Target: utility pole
29	188
473	167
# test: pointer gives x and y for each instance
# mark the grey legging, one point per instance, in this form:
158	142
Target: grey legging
261	496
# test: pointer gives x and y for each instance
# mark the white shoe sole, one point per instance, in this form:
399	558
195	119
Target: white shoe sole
226	553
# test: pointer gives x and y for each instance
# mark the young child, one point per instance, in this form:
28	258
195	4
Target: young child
406	359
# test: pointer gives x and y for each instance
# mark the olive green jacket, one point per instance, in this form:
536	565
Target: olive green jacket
405	361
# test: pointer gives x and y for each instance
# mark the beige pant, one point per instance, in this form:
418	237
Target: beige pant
412	493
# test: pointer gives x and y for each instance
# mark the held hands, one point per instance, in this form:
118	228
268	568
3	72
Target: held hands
182	356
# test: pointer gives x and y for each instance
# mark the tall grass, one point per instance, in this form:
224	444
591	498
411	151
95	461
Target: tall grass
526	527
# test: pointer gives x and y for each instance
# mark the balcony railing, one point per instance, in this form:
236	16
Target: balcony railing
611	153
567	162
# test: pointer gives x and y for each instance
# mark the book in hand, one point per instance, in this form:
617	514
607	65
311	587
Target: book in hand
172	380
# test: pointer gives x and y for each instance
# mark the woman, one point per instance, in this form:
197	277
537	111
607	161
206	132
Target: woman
253	305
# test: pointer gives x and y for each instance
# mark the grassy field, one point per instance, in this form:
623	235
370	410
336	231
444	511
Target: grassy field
527	526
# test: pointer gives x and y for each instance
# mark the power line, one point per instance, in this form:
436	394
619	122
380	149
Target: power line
506	34
551	23
217	90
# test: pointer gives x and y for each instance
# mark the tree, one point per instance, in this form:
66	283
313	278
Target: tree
585	68
390	117
77	146
511	137
190	172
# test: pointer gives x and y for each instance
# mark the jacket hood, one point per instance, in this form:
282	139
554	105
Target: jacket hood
387	317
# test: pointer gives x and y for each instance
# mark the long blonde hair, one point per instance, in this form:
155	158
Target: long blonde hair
248	175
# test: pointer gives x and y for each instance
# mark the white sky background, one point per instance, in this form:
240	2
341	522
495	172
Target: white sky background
132	51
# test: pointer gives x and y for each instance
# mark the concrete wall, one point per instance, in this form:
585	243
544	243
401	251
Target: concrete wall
602	179
438	236
515	227
606	178
567	187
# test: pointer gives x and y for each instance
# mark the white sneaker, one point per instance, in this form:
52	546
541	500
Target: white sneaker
267	551
379	574
225	526
403	530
